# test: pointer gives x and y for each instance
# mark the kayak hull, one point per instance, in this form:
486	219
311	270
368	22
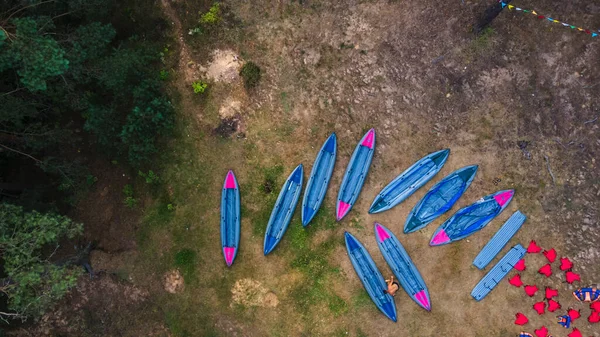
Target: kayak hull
320	175
356	173
472	218
409	181
370	277
230	218
440	198
402	265
283	210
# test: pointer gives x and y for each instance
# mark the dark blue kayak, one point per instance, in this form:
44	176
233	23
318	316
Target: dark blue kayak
370	277
404	185
355	175
472	218
283	209
440	198
230	218
319	180
402	265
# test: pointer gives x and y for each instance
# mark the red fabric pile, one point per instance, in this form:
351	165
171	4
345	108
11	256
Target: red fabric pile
520	266
540	307
531	290
516	281
572	277
565	264
553	305
551	293
533	249
550	255
546	270
521	319
541	332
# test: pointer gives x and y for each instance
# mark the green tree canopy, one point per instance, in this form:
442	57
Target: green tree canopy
33	283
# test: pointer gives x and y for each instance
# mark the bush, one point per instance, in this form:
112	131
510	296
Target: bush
150	177
199	87
251	74
212	16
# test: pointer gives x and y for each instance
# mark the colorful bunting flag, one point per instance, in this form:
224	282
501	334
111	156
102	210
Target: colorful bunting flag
541	17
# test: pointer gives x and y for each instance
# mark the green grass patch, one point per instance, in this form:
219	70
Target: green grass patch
185	261
313	262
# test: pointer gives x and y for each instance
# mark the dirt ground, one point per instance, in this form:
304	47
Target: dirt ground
520	101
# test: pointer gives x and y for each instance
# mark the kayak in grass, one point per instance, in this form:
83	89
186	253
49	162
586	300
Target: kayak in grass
283	209
370	277
409	181
320	175
472	218
230	218
355	175
402	265
440	198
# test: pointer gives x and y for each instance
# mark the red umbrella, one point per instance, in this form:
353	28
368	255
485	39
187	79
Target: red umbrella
546	270
540	307
521	319
565	263
542	332
520	266
551	292
516	281
550	255
553	305
575	333
595	306
534	248
531	290
594	317
574	314
572	277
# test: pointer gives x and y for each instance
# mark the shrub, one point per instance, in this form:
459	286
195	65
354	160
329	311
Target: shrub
251	74
212	16
150	177
199	87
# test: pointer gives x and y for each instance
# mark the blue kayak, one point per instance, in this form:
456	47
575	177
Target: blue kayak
319	180
472	218
404	185
402	265
370	277
283	209
498	272
355	175
440	198
230	218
